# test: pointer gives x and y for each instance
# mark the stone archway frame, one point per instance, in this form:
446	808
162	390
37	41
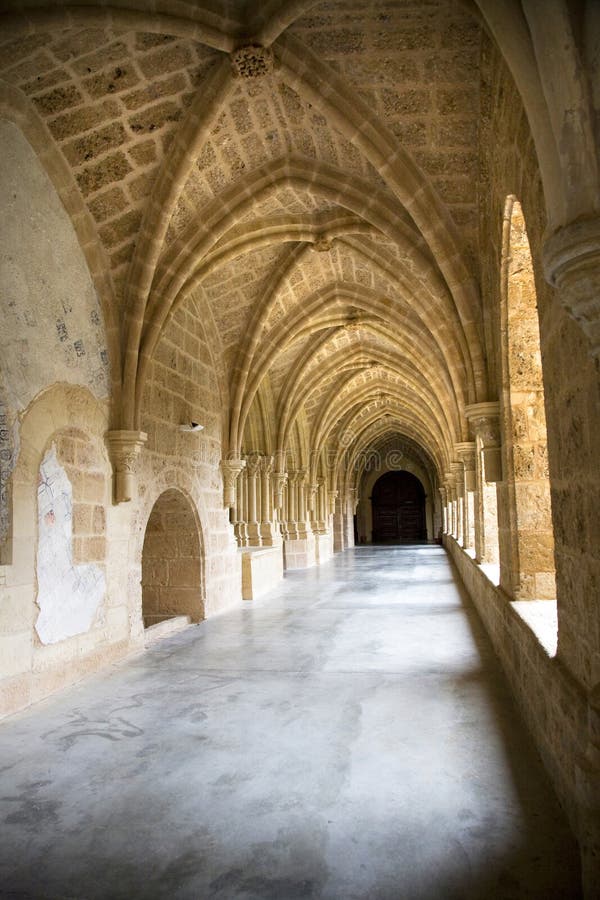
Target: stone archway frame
301	385
313	315
186	503
151	487
58	408
413	468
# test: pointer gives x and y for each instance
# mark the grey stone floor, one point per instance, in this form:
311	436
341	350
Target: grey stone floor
349	736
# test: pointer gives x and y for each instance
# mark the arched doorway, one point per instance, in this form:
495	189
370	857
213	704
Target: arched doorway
172	570
398	502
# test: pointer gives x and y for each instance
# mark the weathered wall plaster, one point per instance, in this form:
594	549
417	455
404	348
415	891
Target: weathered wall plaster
68	595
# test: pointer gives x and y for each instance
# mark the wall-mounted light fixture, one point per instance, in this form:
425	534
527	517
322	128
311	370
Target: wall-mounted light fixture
191	426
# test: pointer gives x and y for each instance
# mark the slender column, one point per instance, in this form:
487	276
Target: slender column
279	480
322	504
267	529
444	498
313	505
292	522
332	497
245	503
466	453
302	513
451	498
338	523
285	508
458	472
252	468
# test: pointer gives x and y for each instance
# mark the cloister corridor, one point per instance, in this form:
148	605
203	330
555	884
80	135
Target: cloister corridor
350	735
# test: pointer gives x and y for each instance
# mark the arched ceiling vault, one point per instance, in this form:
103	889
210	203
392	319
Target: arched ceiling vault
313	189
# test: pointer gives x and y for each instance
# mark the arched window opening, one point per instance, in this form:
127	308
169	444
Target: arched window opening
526	538
488	496
398	506
172	582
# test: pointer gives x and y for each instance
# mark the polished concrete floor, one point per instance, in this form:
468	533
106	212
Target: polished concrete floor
349	736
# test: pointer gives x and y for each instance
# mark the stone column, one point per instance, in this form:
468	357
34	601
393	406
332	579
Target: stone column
445	518
322	504
485	425
292	523
338	521
332	497
123	448
302	512
242	489
267	526
285	507
451	495
466	453
279	480
313	505
458	472
252	515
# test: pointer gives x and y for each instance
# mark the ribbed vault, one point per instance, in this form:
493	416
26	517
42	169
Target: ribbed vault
311	187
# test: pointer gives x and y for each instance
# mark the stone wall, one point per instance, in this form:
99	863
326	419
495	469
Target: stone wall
183	386
552	704
572	392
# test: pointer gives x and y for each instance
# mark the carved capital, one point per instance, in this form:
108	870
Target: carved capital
230	468
252	61
466	452
458	472
253	464
279	479
332	497
450	485
484	419
123	449
572	265
266	465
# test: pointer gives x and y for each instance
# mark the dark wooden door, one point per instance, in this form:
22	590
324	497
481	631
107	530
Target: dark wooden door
398	503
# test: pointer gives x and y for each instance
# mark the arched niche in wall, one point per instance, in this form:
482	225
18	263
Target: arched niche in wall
172	561
52	326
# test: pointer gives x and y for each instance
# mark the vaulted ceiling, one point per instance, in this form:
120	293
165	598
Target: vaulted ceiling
307	173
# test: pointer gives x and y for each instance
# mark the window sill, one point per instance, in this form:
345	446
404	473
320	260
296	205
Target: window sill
542	618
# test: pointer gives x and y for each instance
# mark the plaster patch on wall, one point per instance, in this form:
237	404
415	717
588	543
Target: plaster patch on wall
68	595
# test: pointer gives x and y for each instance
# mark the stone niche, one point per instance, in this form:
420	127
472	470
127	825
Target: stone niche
172	562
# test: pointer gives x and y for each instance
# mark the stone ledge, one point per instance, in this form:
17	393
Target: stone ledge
165	628
542	618
262	570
